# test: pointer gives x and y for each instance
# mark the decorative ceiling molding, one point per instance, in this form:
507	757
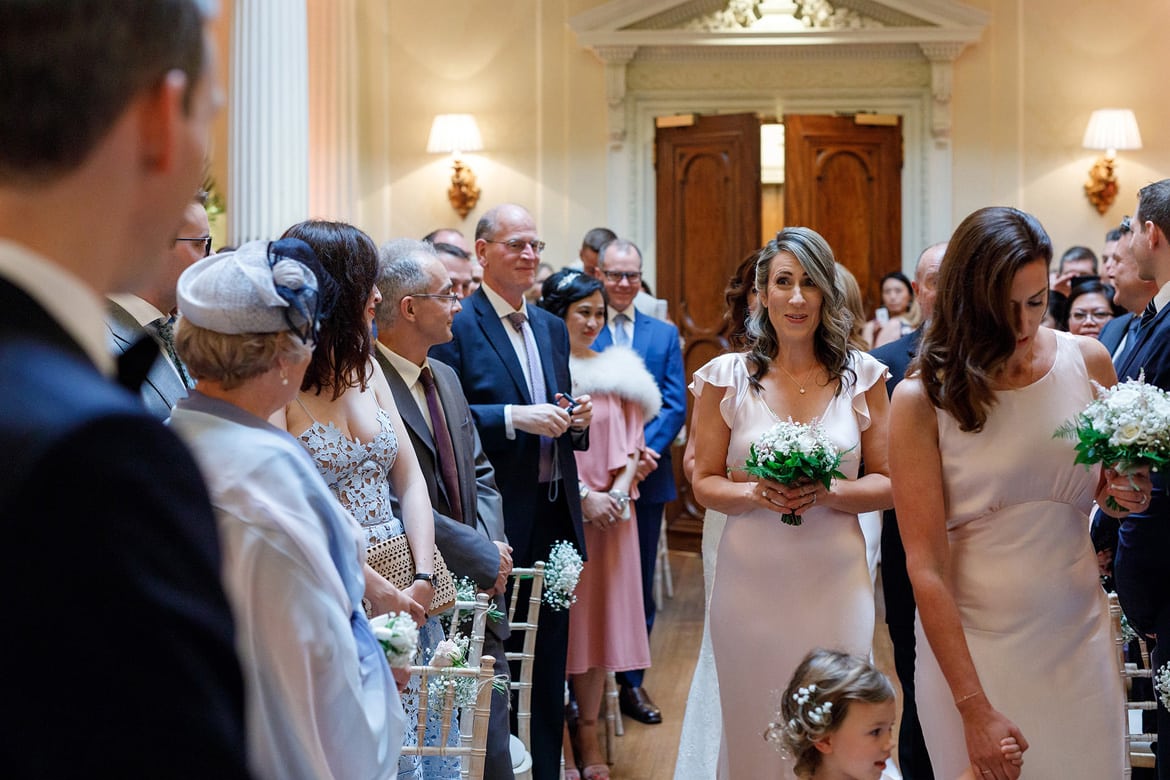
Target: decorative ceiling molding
778	54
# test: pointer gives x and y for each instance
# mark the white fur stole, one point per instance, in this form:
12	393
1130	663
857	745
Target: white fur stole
618	371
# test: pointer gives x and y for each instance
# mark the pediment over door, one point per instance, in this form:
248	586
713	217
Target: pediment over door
935	31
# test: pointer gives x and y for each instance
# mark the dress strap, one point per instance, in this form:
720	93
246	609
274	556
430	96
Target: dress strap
305	409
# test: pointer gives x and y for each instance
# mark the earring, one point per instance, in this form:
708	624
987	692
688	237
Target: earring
283	376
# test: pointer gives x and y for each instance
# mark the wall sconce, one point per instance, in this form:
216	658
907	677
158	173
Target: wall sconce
454	134
1109	129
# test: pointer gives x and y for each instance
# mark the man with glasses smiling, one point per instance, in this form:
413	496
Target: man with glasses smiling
513	363
153	309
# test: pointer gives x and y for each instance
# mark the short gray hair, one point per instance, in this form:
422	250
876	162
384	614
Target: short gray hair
401	272
619	244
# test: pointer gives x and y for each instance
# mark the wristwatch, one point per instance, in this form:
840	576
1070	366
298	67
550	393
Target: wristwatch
418	575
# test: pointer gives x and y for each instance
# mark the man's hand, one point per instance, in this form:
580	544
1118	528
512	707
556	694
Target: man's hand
540	419
647	463
505	557
580	413
1062	283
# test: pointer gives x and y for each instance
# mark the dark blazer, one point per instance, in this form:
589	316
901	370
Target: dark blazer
120	638
491	377
657	343
163	387
1113	331
466	546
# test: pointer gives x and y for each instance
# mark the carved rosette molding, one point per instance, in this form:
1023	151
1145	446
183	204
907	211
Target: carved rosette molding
616	58
942	59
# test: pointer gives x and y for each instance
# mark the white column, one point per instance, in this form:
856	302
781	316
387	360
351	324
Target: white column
268	152
333	86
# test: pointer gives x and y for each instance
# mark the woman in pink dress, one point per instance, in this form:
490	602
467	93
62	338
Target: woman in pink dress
607	624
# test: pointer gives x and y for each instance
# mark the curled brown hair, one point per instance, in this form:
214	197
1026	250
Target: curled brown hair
231	359
972	332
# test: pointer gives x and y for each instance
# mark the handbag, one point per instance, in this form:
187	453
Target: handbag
393	560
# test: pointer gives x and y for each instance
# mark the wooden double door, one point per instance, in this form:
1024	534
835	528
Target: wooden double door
842	179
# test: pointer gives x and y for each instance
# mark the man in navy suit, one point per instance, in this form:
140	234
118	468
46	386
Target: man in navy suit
897	594
119	638
418	305
1144	538
620	266
513	363
1130	291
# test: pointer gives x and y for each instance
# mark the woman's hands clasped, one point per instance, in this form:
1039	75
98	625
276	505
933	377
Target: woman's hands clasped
1131	491
796	499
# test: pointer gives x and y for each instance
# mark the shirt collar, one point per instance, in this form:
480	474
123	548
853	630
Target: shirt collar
1161	298
405	368
629	311
68	300
143	311
502	307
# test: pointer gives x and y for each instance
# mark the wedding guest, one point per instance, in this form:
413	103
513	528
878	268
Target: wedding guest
346	418
119	637
607	623
855	306
897	316
1144	538
799	366
321	699
702	729
1090	307
986	497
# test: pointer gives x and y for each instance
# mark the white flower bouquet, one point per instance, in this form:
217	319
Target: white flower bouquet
398	635
790	451
452	654
1162	685
561	573
1125	426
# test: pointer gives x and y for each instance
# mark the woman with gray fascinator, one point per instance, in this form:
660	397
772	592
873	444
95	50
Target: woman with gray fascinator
321	699
606	624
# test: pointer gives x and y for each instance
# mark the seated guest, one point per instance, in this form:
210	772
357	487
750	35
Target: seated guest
321	701
1090	306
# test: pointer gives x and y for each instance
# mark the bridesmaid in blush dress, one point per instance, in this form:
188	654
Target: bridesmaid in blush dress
1013	628
800	366
607	624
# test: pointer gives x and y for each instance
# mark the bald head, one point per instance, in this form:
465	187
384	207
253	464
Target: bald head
926	277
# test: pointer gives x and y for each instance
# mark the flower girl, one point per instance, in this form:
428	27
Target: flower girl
836	720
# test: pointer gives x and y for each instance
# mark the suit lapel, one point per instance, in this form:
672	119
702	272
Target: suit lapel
641	342
544	344
450	394
499	340
1137	356
604	339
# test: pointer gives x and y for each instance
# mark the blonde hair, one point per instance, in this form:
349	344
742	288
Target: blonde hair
852	292
817	700
232	359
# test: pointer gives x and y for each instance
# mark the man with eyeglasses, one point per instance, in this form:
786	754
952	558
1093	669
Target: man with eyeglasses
417	308
1130	292
657	343
154	308
513	363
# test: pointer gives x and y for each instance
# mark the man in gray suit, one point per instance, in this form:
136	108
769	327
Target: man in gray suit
417	307
152	309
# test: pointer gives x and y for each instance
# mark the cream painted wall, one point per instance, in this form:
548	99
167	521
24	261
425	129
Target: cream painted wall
1024	93
1022	96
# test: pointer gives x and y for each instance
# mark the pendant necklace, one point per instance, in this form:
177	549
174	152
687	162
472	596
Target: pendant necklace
799	385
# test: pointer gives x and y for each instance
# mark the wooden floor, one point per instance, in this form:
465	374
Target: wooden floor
649	752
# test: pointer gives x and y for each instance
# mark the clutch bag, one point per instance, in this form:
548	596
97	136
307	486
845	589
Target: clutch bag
393	560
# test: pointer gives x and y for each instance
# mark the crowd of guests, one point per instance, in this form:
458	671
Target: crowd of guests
201	588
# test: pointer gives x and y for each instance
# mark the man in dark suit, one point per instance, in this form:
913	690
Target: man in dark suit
1130	291
897	594
657	342
513	363
153	310
1144	538
418	304
120	641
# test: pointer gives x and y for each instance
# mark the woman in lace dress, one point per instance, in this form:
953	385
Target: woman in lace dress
799	366
345	416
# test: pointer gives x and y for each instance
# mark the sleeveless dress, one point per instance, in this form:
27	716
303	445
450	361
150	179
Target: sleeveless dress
782	590
359	475
1025	581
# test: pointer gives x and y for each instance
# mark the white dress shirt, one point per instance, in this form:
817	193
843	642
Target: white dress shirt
516	338
410	374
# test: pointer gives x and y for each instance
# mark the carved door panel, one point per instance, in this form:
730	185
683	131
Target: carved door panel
843	178
708	219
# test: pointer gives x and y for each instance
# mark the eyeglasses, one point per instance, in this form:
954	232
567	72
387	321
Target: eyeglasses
634	277
205	240
1079	315
1126	227
518	244
449	298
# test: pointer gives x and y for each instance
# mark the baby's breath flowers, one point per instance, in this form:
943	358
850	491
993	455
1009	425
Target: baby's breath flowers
790	451
561	574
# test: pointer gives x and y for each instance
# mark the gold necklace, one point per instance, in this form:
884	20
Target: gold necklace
799	385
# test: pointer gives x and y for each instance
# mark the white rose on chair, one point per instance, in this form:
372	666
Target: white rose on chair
398	635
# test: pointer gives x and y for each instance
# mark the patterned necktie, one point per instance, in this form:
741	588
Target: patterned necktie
621	336
444	447
536	388
1149	313
164	328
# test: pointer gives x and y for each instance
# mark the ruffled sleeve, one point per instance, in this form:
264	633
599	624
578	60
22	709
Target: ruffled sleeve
869	372
729	372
